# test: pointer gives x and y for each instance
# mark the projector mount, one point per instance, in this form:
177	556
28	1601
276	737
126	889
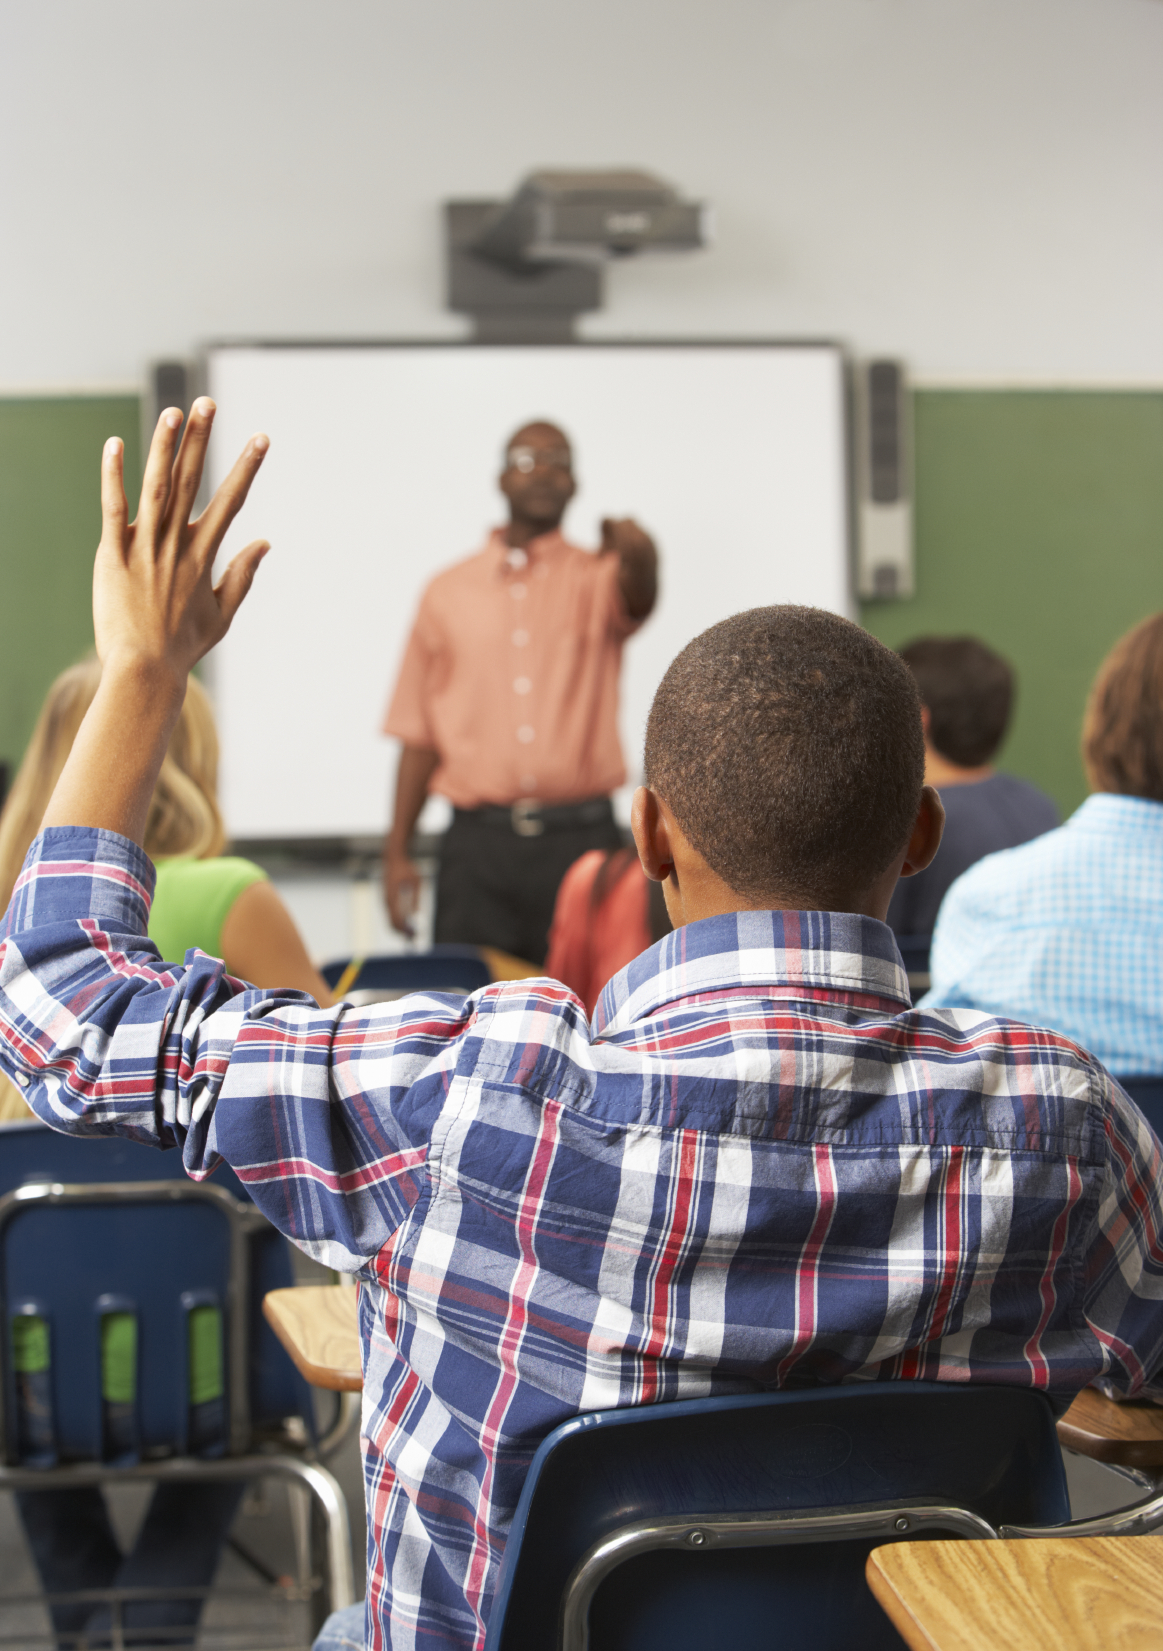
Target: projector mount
526	268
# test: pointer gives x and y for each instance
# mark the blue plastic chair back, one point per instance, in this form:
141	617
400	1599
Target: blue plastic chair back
150	1256
443	969
1147	1094
992	1450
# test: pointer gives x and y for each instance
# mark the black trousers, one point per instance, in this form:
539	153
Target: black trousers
496	887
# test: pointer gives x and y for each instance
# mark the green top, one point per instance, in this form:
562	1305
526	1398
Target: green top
192	900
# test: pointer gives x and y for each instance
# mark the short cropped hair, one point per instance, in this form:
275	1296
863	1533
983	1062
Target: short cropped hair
969	692
1122	731
787	743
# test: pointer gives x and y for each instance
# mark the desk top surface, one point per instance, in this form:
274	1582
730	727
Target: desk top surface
318	1324
1065	1594
1131	1434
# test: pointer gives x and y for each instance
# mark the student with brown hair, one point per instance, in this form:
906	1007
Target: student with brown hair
1067	931
757	1166
967	694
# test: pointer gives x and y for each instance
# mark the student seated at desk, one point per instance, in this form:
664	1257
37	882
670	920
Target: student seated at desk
1068	930
758	1166
966	697
223	906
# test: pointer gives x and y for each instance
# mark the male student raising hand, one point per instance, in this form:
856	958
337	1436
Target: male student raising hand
156	611
549	1214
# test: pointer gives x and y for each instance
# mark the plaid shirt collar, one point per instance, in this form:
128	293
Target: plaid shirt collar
838	955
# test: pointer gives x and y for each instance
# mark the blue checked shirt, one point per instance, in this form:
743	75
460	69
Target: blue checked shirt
1066	931
757	1167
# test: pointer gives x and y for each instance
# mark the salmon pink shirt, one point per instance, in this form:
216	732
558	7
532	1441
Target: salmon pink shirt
511	674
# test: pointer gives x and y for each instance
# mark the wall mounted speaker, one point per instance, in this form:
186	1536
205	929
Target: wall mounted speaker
884	482
171	384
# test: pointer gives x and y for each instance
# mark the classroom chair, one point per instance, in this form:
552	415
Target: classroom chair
443	969
134	1346
747	1520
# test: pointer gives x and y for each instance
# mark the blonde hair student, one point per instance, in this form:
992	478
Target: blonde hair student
221	904
184	818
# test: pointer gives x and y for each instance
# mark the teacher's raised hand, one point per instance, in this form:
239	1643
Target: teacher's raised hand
156	611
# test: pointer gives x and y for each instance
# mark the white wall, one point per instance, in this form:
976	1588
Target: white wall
971	183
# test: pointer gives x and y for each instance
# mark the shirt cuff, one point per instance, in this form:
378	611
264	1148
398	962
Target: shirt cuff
73	872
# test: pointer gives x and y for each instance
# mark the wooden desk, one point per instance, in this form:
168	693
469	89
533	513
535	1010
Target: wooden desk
318	1325
1130	1435
1068	1594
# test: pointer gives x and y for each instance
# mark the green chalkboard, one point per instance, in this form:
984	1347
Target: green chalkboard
50	522
1039	528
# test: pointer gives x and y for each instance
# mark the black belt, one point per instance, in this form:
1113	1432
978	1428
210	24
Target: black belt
529	818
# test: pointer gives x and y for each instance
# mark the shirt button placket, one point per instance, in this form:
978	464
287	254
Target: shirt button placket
523	685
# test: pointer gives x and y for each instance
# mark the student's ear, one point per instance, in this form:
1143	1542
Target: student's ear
926	836
651	835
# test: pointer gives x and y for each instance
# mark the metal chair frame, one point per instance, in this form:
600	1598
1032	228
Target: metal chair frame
890	1520
241	1463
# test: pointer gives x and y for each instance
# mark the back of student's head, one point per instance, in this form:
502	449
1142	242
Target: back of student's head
183	816
1122	731
968	691
787	743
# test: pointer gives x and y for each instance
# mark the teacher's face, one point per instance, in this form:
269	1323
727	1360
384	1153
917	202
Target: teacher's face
538	478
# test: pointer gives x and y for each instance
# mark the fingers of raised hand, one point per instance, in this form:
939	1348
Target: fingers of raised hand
114	510
155	483
212	524
187	471
231	590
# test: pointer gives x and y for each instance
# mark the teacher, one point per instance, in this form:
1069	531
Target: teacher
507	704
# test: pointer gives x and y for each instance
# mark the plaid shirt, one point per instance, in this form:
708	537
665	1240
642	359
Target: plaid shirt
1066	931
757	1167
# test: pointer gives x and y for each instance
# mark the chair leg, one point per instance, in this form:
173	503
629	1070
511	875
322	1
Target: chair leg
328	1500
299	1504
346	1420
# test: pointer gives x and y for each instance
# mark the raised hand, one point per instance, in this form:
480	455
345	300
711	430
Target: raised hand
153	600
156	611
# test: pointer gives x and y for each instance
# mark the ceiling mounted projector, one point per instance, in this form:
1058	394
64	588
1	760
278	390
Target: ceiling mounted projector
588	217
526	268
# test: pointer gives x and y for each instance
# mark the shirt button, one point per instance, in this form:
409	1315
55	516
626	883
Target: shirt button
520	638
517	591
522	685
525	734
517	558
22	1079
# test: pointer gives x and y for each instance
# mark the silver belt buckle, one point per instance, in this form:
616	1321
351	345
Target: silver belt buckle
526	817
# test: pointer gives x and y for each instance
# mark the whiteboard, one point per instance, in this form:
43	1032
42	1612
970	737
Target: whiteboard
382	470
